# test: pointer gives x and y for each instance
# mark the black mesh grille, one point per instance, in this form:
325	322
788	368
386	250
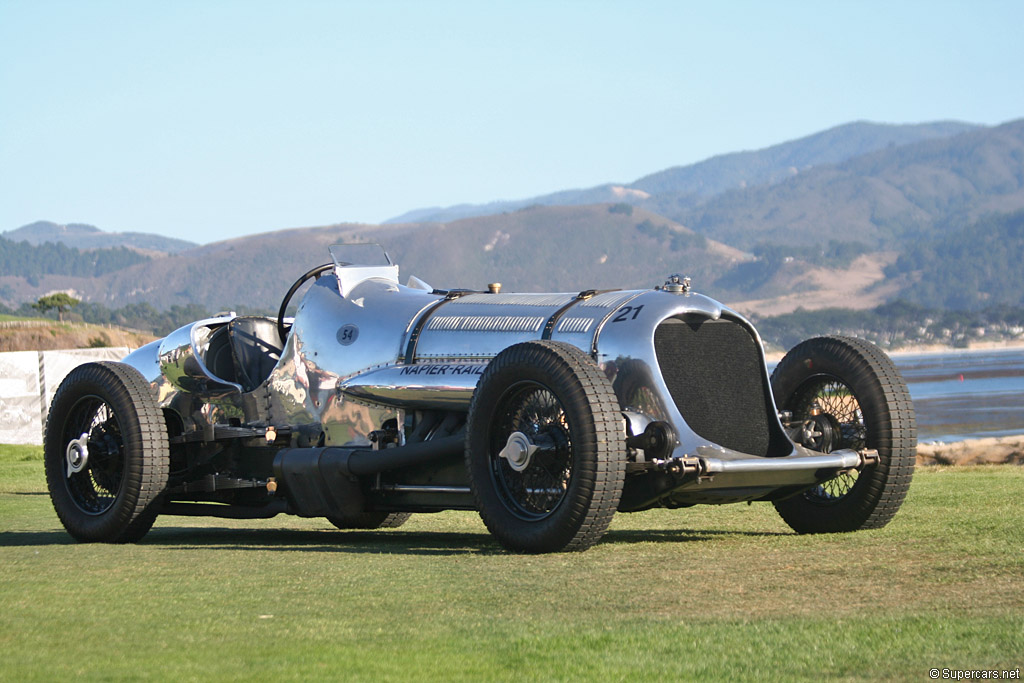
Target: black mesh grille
713	371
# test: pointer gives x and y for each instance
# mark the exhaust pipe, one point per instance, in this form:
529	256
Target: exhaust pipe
321	482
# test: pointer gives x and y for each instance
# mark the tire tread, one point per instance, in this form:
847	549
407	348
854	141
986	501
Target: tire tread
146	447
602	477
880	496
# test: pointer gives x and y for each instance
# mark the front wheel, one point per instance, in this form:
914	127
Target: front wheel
847	393
106	453
545	448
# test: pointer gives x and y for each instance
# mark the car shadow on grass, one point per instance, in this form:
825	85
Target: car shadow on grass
415	542
681	535
391	542
327	541
292	540
34	538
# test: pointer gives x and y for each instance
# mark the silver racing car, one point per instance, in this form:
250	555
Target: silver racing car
547	413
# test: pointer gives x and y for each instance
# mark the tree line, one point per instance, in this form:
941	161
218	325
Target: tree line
140	316
974	267
50	258
896	324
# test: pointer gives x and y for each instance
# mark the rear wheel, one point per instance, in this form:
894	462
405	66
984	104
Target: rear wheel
545	449
846	393
106	453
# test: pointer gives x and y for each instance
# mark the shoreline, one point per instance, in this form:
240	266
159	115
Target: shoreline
939	349
991	450
932	349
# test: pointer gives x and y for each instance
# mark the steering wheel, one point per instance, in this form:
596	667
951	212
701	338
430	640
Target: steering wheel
283	329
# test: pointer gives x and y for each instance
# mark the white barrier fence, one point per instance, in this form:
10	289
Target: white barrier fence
28	380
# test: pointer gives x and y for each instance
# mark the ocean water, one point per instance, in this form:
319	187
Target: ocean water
966	394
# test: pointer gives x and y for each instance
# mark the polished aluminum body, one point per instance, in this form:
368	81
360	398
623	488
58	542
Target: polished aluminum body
364	349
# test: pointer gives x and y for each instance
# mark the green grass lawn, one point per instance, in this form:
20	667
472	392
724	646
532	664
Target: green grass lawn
725	593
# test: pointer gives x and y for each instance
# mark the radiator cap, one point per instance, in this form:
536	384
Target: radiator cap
677	284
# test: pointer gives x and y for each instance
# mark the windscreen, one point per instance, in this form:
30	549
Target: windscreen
362	254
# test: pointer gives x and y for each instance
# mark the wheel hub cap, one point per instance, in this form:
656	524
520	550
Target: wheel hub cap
518	451
77	454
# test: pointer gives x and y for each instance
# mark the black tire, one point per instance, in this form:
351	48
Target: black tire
554	394
113	496
862	402
371	520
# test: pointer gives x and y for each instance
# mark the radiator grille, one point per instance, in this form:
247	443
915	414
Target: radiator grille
713	371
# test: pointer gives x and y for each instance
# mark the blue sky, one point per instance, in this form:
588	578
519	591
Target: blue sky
211	120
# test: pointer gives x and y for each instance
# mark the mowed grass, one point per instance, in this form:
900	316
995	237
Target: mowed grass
726	593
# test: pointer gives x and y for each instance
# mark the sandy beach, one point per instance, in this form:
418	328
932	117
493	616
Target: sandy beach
987	451
929	349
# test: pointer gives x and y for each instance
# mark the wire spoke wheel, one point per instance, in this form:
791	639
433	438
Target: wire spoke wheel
106	453
545	450
848	395
95	483
536	491
833	414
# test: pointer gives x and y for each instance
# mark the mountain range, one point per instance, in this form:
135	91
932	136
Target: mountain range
852	216
686	186
82	236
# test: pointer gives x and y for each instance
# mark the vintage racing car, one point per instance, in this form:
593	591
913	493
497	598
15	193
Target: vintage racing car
547	413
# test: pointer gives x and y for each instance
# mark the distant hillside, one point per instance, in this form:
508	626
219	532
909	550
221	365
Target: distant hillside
594	195
679	187
537	249
932	221
780	162
28	271
19	258
973	267
90	237
253	271
50	335
889	199
562	249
